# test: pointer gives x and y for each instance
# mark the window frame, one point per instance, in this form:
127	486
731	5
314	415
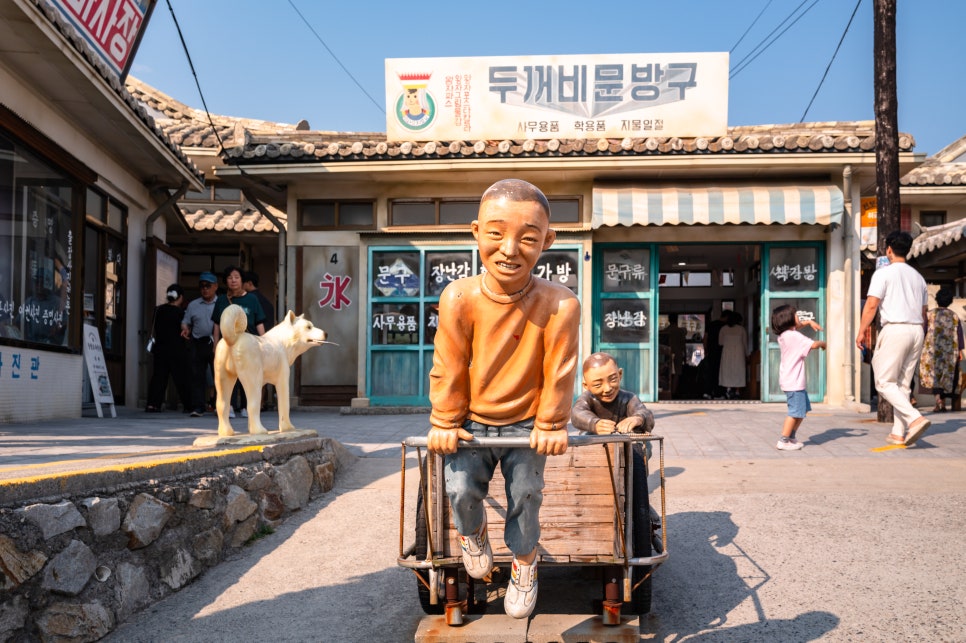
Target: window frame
337	203
438	202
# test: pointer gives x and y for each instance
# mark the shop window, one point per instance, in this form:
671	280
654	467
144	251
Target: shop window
38	249
336	215
793	269
930	218
456	212
404	290
215	191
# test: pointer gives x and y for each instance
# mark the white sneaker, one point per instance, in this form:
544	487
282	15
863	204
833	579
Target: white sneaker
231	412
791	445
521	593
477	554
244	413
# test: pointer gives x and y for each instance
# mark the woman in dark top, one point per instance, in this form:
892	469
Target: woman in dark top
170	353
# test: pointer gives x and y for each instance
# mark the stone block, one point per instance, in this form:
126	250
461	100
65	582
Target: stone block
145	519
54	519
244	531
207	545
131	589
16	565
325	474
239	506
270	506
103	515
13	616
179	568
202	498
294	478
75	622
69	571
259	481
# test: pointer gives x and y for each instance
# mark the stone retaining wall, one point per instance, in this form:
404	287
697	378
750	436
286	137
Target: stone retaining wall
75	564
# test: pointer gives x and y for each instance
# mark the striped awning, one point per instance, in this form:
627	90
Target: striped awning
791	204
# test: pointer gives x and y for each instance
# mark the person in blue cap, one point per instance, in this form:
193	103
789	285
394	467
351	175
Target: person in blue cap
197	327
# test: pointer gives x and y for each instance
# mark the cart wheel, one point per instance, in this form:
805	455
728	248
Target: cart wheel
419	550
641	597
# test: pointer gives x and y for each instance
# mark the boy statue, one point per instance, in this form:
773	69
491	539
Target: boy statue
504	365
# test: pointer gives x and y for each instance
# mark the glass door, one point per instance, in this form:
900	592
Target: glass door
794	274
625	312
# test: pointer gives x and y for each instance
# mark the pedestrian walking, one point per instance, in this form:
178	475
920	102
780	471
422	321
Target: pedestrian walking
898	293
169	351
794	347
197	328
941	351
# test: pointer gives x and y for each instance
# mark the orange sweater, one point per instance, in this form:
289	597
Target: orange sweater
500	360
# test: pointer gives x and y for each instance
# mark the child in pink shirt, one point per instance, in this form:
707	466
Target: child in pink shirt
791	373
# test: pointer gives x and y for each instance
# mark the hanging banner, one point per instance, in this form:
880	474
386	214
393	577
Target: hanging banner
869	229
562	97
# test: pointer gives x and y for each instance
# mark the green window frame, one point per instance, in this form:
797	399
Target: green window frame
792	273
625	312
405	284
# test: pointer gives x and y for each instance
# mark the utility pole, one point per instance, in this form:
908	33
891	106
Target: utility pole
886	136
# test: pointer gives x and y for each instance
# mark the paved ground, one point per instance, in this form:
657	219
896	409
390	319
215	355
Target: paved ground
837	542
701	430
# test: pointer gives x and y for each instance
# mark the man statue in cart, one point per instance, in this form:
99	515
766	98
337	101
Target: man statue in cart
504	365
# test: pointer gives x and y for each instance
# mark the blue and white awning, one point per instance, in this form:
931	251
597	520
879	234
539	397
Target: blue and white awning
790	204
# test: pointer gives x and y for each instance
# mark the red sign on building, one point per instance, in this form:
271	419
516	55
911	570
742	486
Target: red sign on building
112	28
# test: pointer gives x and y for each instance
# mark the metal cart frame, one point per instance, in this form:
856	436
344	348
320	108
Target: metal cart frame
627	577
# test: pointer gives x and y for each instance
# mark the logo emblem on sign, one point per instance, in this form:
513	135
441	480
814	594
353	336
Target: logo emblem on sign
415	106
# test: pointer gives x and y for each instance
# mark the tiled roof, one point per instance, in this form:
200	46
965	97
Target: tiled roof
256	142
245	219
945	167
935	237
77	41
308	146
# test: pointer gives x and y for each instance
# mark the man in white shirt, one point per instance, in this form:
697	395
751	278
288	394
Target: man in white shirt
898	292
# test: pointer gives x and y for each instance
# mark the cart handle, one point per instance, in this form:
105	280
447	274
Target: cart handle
518	442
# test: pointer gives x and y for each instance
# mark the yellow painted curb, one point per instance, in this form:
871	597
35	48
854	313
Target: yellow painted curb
126	467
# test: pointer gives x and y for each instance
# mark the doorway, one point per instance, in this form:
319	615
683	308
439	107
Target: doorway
701	288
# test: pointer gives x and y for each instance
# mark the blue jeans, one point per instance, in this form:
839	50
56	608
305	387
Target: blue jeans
468	473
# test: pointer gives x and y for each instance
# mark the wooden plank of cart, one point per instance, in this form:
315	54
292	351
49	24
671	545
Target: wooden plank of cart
587	520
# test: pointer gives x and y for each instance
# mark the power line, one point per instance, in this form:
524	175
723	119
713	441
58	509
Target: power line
753	22
336	58
747	60
201	94
852	17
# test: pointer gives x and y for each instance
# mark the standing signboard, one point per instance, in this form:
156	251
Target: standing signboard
97	370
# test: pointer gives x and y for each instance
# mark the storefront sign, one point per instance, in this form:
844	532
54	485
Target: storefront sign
112	28
546	97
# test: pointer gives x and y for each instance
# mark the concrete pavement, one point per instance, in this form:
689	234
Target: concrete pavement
691	431
734	504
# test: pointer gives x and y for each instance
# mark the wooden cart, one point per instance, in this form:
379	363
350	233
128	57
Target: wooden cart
595	512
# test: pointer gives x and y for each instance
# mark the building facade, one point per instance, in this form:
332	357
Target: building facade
84	173
647	228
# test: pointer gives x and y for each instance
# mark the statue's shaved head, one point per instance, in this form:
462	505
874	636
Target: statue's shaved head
516	190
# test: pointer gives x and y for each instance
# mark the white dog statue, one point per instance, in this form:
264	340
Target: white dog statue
259	360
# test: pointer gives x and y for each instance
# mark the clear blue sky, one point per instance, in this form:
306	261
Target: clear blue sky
260	59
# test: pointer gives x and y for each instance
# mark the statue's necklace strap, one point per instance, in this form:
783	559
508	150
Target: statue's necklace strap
506	298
